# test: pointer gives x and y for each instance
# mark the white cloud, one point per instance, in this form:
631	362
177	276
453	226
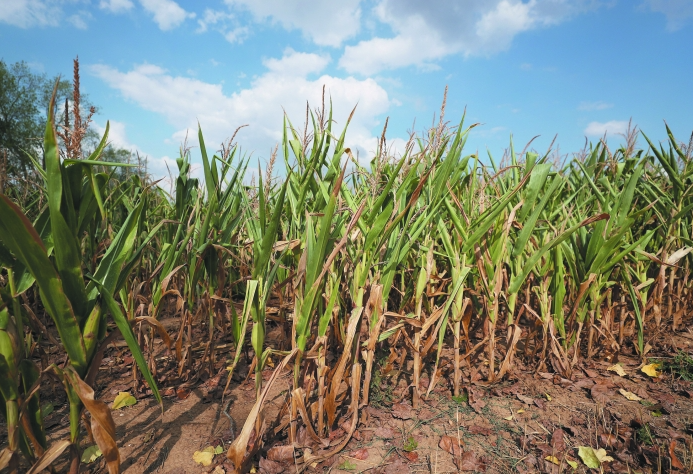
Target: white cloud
225	23
182	101
116	135
116	6
30	13
610	128
598	105
428	31
162	168
79	20
326	23
167	13
678	12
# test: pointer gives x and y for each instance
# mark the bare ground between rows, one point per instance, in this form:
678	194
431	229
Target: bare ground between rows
512	426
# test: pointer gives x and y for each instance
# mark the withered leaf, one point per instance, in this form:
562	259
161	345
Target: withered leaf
412	456
480	430
675	463
398	466
281	453
524	399
470	462
451	445
558	441
270	467
359	454
601	394
402	411
385	432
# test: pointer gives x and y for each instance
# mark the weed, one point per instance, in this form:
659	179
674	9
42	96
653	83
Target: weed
347	465
680	367
644	435
410	445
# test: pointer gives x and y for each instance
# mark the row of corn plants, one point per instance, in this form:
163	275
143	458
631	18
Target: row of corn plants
439	265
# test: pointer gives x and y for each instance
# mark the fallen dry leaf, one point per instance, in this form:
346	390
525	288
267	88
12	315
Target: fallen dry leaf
402	411
183	393
553	459
618	368
601	394
470	462
629	395
480	430
398	466
558	441
475	399
651	370
205	456
524	399
281	453
385	432
359	454
451	445
675	463
271	467
412	456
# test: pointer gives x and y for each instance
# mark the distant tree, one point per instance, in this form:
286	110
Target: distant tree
24	99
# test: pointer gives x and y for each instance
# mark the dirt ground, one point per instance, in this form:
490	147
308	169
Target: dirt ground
530	422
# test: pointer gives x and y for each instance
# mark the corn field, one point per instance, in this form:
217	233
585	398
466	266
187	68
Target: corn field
439	262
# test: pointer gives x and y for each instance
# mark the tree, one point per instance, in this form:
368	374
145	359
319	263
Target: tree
24	97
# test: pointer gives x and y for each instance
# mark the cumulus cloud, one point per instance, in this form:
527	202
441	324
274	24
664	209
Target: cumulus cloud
610	128
285	86
116	6
167	13
678	12
598	105
425	32
325	22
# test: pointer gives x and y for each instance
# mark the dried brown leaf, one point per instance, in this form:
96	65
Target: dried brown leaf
402	411
451	445
601	394
271	467
102	425
675	463
281	453
412	456
385	432
470	462
359	454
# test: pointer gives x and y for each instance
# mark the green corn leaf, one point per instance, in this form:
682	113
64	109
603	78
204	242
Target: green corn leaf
20	237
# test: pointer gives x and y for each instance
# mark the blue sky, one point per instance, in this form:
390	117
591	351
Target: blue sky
575	68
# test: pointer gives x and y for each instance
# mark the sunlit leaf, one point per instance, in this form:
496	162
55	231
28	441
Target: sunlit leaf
123	399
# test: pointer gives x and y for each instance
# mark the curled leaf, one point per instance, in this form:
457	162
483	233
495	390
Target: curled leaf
553	459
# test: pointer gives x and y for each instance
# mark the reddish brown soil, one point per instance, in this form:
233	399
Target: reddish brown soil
511	426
